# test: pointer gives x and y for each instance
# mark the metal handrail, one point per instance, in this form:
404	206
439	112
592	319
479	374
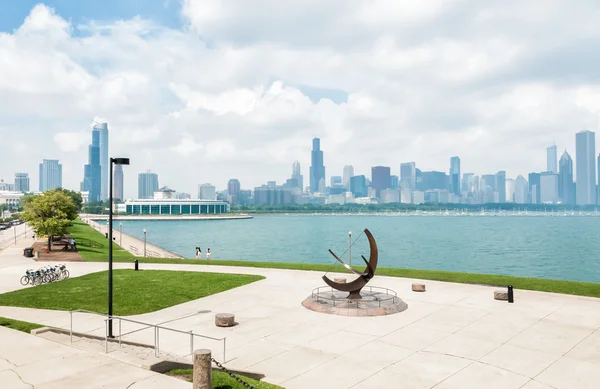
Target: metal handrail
156	327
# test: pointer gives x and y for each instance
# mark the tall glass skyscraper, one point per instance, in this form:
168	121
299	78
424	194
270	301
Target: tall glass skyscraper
118	183
380	179
408	174
566	186
92	170
102	128
551	159
586	167
348	173
317	169
147	185
22	182
455	175
50	175
297	176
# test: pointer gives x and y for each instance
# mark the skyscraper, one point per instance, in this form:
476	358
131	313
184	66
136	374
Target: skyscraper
566	186
455	175
297	175
92	170
548	188
501	186
408	173
147	185
521	190
335	181
380	178
317	169
510	190
102	129
358	186
534	188
233	188
551	159
348	173
50	175
586	167
22	182
207	192
118	183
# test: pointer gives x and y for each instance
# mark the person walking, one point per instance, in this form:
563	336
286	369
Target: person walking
208	255
197	252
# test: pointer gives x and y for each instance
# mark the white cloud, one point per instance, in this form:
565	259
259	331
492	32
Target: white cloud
235	91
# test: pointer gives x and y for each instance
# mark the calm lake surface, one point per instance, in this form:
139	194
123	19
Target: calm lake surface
531	246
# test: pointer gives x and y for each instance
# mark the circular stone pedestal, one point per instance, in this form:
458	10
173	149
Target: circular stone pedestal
224	319
375	301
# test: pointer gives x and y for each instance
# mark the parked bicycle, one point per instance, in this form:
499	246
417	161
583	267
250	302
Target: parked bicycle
45	275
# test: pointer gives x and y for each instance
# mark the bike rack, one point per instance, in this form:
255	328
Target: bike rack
156	327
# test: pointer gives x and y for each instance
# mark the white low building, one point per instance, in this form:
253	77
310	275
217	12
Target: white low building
10	198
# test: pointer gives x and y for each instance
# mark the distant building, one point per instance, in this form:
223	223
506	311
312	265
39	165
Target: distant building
358	186
408	173
510	190
501	186
335	181
147	185
175	207
207	192
566	185
586	167
50	175
455	175
102	129
551	160
322	186
245	197
521	190
92	171
418	197
534	188
336	199
432	180
380	179
317	168
183	196
394	182
548	188
21	182
348	173
164	193
405	192
6	186
233	188
297	175
118	183
272	195
390	196
10	198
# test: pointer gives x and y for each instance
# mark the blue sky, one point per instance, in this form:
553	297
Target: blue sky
166	12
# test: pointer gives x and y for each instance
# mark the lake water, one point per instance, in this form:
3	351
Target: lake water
566	247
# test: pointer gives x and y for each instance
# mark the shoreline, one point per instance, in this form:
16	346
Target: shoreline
164	217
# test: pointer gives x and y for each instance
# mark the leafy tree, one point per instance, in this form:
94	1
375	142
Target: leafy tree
50	213
75	196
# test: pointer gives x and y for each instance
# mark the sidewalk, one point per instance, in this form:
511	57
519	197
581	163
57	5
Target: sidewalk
133	245
28	361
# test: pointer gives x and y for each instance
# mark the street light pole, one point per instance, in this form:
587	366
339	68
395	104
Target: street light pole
118	161
144	242
350	247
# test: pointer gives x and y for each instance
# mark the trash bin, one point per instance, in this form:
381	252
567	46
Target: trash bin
28	252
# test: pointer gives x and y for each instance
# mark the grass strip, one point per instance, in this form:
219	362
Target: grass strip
221	380
135	292
18	325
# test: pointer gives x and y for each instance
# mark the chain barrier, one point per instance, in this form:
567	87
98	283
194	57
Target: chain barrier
235	377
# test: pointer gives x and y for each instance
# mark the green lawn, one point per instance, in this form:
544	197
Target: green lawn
18	325
221	380
93	246
556	286
135	292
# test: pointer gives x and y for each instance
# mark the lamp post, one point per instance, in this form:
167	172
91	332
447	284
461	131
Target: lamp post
121	234
15	228
116	161
144	242
350	247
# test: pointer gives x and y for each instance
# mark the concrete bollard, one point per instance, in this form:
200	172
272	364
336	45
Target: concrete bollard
202	369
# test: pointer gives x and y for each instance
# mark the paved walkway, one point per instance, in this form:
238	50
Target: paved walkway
28	361
131	244
452	336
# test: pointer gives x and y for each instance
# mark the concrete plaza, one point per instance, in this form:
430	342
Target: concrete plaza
452	336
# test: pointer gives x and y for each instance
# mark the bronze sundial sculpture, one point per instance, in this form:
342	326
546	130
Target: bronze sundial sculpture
355	286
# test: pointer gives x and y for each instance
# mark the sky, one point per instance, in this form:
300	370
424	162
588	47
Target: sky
205	90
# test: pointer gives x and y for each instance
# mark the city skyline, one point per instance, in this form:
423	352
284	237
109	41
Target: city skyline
421	91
